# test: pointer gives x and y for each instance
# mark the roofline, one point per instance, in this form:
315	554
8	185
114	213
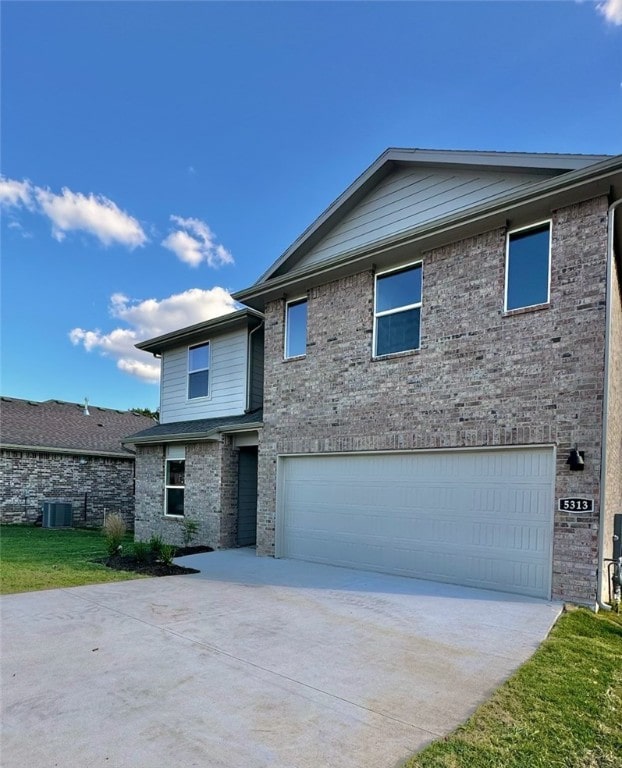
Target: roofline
222	322
74	451
393	156
188	437
537	192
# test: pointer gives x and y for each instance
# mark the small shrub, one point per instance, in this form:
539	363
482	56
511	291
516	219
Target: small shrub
155	545
142	551
114	529
167	553
189	529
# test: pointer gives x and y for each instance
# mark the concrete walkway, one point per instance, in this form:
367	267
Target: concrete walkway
254	662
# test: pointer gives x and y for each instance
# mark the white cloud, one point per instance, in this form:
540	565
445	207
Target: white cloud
147	319
15	193
194	242
612	11
73	211
94	214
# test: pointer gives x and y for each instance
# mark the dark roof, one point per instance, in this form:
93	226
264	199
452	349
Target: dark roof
57	425
197	429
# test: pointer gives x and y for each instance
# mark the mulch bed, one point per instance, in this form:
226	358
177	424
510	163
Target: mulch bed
152	566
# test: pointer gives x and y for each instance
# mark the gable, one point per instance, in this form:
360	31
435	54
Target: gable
414	196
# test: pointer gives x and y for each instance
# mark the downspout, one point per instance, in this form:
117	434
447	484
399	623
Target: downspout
158	356
603	454
249	358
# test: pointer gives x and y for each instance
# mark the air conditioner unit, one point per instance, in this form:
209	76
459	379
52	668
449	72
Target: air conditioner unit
57	514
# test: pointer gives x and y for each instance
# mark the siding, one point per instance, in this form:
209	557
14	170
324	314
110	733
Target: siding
409	198
256	387
227	381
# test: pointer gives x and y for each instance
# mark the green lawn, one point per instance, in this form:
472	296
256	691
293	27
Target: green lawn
562	709
42	558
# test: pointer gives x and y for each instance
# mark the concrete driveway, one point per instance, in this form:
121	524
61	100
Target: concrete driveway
254	662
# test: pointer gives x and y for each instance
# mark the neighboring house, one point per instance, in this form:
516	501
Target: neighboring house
439	344
200	462
58	451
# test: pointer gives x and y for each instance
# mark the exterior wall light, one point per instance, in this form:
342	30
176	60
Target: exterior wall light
576	459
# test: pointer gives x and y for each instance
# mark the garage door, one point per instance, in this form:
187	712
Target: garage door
482	518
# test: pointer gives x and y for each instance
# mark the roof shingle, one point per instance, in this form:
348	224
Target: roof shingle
197	428
54	424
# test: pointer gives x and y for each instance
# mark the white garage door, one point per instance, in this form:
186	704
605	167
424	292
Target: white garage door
482	518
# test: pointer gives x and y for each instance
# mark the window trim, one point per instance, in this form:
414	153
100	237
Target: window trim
406	307
174	454
289	302
208	344
510	232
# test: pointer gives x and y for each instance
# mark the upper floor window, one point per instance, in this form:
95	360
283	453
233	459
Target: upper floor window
198	370
296	328
175	481
397	311
528	267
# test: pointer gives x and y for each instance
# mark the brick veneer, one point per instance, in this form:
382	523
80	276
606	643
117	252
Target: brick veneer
613	478
96	486
210	495
479	379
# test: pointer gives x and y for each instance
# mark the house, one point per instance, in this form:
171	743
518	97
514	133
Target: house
443	374
200	462
59	451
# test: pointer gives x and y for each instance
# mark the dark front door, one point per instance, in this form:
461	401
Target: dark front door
247	497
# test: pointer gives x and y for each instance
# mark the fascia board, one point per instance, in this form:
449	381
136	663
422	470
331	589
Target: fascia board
71	451
233	320
190	437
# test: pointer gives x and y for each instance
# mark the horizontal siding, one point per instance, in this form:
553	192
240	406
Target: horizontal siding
227	381
409	198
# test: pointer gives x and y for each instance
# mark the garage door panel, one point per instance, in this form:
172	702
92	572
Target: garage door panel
482	518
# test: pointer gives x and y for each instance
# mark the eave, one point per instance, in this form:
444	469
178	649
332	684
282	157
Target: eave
602	178
128	454
194	437
186	336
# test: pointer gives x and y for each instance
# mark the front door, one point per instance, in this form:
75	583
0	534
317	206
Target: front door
247	497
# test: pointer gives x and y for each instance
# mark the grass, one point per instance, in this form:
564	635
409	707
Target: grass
41	558
562	709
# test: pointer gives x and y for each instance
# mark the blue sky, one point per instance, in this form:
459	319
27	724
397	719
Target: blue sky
156	156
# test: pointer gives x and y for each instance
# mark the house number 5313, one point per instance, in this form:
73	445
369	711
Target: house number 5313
576	505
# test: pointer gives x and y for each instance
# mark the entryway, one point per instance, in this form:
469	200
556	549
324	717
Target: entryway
247	497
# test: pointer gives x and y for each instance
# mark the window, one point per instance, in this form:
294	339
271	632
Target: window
527	268
174	481
296	328
397	311
198	371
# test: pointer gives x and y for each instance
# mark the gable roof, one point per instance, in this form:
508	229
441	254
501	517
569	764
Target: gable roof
542	174
198	429
58	426
198	332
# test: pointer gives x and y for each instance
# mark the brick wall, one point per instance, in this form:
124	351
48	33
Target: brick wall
93	485
210	495
613	478
480	378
